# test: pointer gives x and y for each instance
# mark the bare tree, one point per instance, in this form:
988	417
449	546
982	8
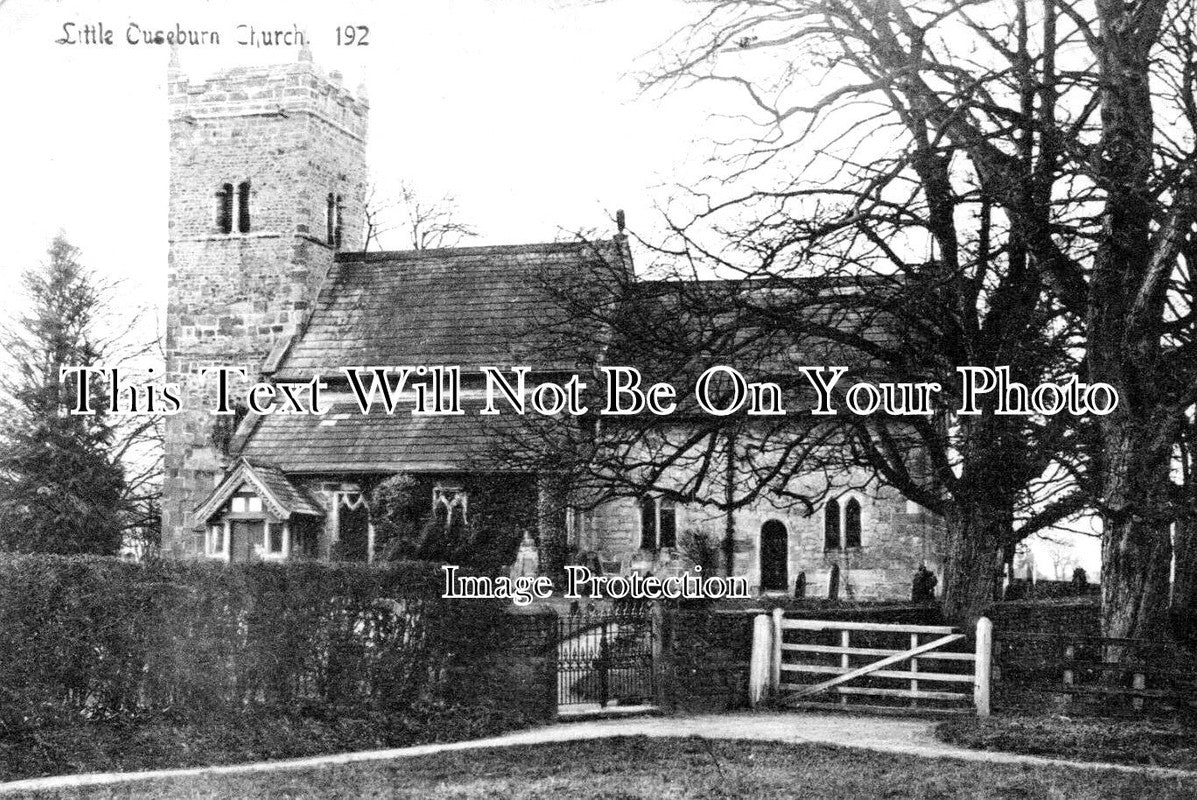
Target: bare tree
996	479
898	264
1006	161
1138	305
422	224
1062	555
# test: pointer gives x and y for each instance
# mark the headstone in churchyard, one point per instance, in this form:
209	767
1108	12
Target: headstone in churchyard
527	559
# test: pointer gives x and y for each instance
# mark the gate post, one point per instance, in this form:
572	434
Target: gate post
983	666
604	665
552	662
662	661
760	666
775	665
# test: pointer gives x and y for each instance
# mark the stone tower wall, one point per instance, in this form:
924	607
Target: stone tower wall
296	135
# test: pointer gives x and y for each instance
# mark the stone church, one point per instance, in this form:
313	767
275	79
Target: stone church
267	274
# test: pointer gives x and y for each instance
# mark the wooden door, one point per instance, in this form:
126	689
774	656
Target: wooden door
245	534
775	556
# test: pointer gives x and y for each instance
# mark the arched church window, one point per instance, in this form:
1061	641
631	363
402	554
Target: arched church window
648	523
852	523
243	207
224	208
451	500
667	527
658	523
831	525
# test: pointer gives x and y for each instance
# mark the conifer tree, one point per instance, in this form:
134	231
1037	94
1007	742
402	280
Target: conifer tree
60	487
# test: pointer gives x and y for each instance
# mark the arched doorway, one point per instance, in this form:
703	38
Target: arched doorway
775	556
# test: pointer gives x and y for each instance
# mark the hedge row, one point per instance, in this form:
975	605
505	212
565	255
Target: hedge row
95	639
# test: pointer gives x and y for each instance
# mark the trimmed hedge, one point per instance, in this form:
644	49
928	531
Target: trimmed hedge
97	639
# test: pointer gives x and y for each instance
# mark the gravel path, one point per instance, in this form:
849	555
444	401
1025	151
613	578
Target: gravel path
884	734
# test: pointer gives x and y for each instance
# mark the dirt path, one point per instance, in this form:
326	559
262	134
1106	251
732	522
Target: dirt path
883	734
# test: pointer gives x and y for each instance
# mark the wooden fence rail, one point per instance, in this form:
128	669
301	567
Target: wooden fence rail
1111	675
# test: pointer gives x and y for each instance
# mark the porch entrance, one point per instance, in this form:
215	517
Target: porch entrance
353	536
244	535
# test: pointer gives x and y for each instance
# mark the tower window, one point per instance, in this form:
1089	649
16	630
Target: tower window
330	219
339	223
243	207
224	208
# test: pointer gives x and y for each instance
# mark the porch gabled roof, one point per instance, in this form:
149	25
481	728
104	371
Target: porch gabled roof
283	498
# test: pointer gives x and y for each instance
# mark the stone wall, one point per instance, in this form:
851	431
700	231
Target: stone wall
296	135
896	536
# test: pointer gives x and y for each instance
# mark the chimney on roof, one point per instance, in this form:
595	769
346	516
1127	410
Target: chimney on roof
620	221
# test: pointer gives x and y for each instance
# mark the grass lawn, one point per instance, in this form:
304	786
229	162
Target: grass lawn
1155	743
662	769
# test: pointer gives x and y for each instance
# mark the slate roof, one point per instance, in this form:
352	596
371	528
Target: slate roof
673	330
496	306
469	306
345	440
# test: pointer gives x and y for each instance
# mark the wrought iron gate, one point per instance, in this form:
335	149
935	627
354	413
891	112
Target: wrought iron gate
605	658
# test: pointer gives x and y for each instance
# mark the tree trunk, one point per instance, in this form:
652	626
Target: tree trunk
973	561
1125	310
551	502
1184	581
1183	616
1136	560
1136	551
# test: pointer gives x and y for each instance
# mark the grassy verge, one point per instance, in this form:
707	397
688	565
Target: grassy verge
164	743
1162	744
637	767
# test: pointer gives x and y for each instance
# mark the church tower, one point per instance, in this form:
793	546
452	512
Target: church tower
267	183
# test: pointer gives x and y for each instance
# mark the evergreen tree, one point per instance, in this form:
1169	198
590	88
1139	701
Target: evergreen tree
60	487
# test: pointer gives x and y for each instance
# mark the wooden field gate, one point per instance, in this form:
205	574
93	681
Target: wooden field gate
829	663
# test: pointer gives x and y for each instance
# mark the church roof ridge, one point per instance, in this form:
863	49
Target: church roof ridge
477	250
